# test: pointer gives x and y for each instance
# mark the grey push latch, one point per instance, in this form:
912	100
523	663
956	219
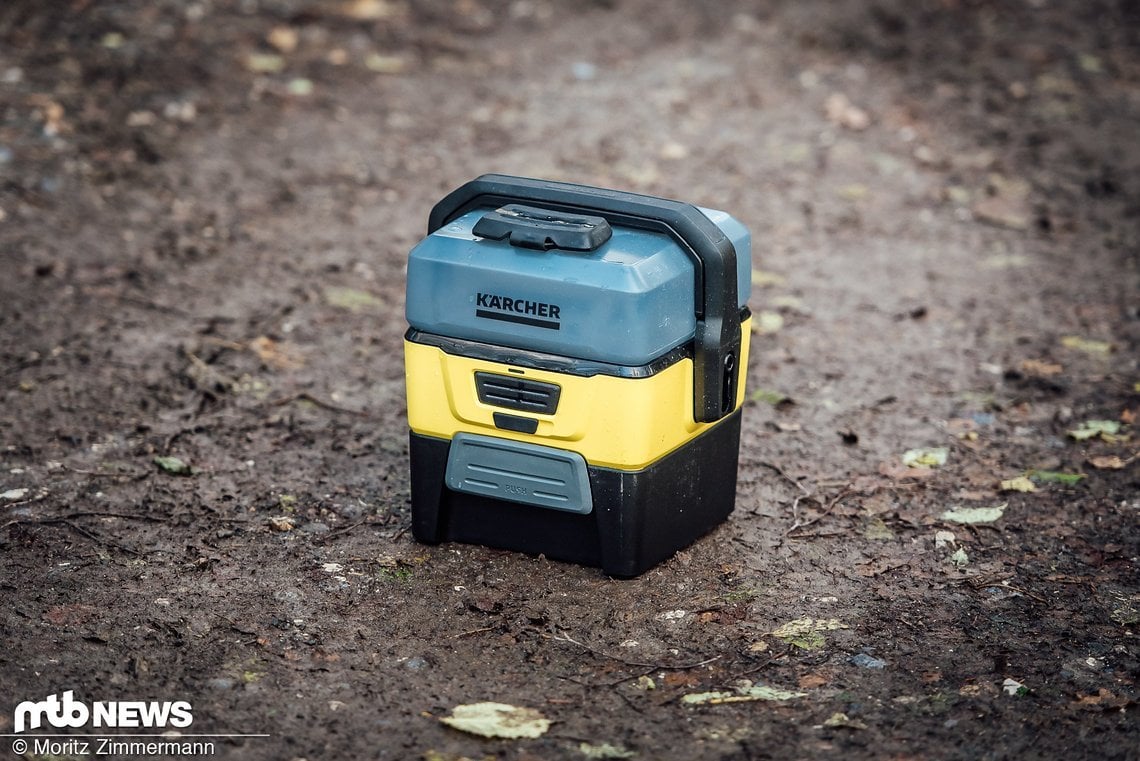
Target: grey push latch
512	470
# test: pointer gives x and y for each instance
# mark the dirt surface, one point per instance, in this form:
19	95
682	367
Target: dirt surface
205	214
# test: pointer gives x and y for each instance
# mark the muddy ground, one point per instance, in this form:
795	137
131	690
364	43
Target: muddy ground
205	214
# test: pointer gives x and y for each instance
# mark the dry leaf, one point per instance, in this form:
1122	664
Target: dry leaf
284	38
804	625
925	458
811	681
1099	348
497	720
745	693
282	523
352	299
1090	429
1021	483
175	466
842	112
1110	462
1008	204
386	64
970	515
274	354
605	750
842	721
367	10
1038	368
265	63
762	279
766	323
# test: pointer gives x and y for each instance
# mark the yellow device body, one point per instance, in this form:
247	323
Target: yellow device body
619	423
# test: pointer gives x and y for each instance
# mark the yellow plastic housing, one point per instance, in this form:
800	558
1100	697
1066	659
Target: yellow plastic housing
621	423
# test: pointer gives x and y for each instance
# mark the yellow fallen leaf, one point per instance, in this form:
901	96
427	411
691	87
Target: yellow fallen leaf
843	721
791	304
975	514
1005	261
1021	483
265	63
1099	348
605	750
925	458
497	720
762	279
766	323
854	192
1091	429
742	694
300	86
352	299
385	64
806	625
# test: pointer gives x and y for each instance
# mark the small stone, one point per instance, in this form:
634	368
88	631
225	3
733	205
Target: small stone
584	71
265	63
300	87
385	64
865	661
842	112
1003	212
284	38
141	119
674	151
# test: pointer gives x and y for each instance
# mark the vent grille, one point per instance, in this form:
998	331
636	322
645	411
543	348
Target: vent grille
517	394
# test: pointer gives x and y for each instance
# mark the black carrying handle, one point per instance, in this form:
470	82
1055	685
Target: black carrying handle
716	348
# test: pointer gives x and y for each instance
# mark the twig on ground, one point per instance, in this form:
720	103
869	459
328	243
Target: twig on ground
651	666
780	472
41	495
135	476
306	396
796	525
109	514
148	304
74	527
335	533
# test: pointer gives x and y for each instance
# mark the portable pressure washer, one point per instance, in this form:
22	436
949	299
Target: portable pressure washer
575	371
